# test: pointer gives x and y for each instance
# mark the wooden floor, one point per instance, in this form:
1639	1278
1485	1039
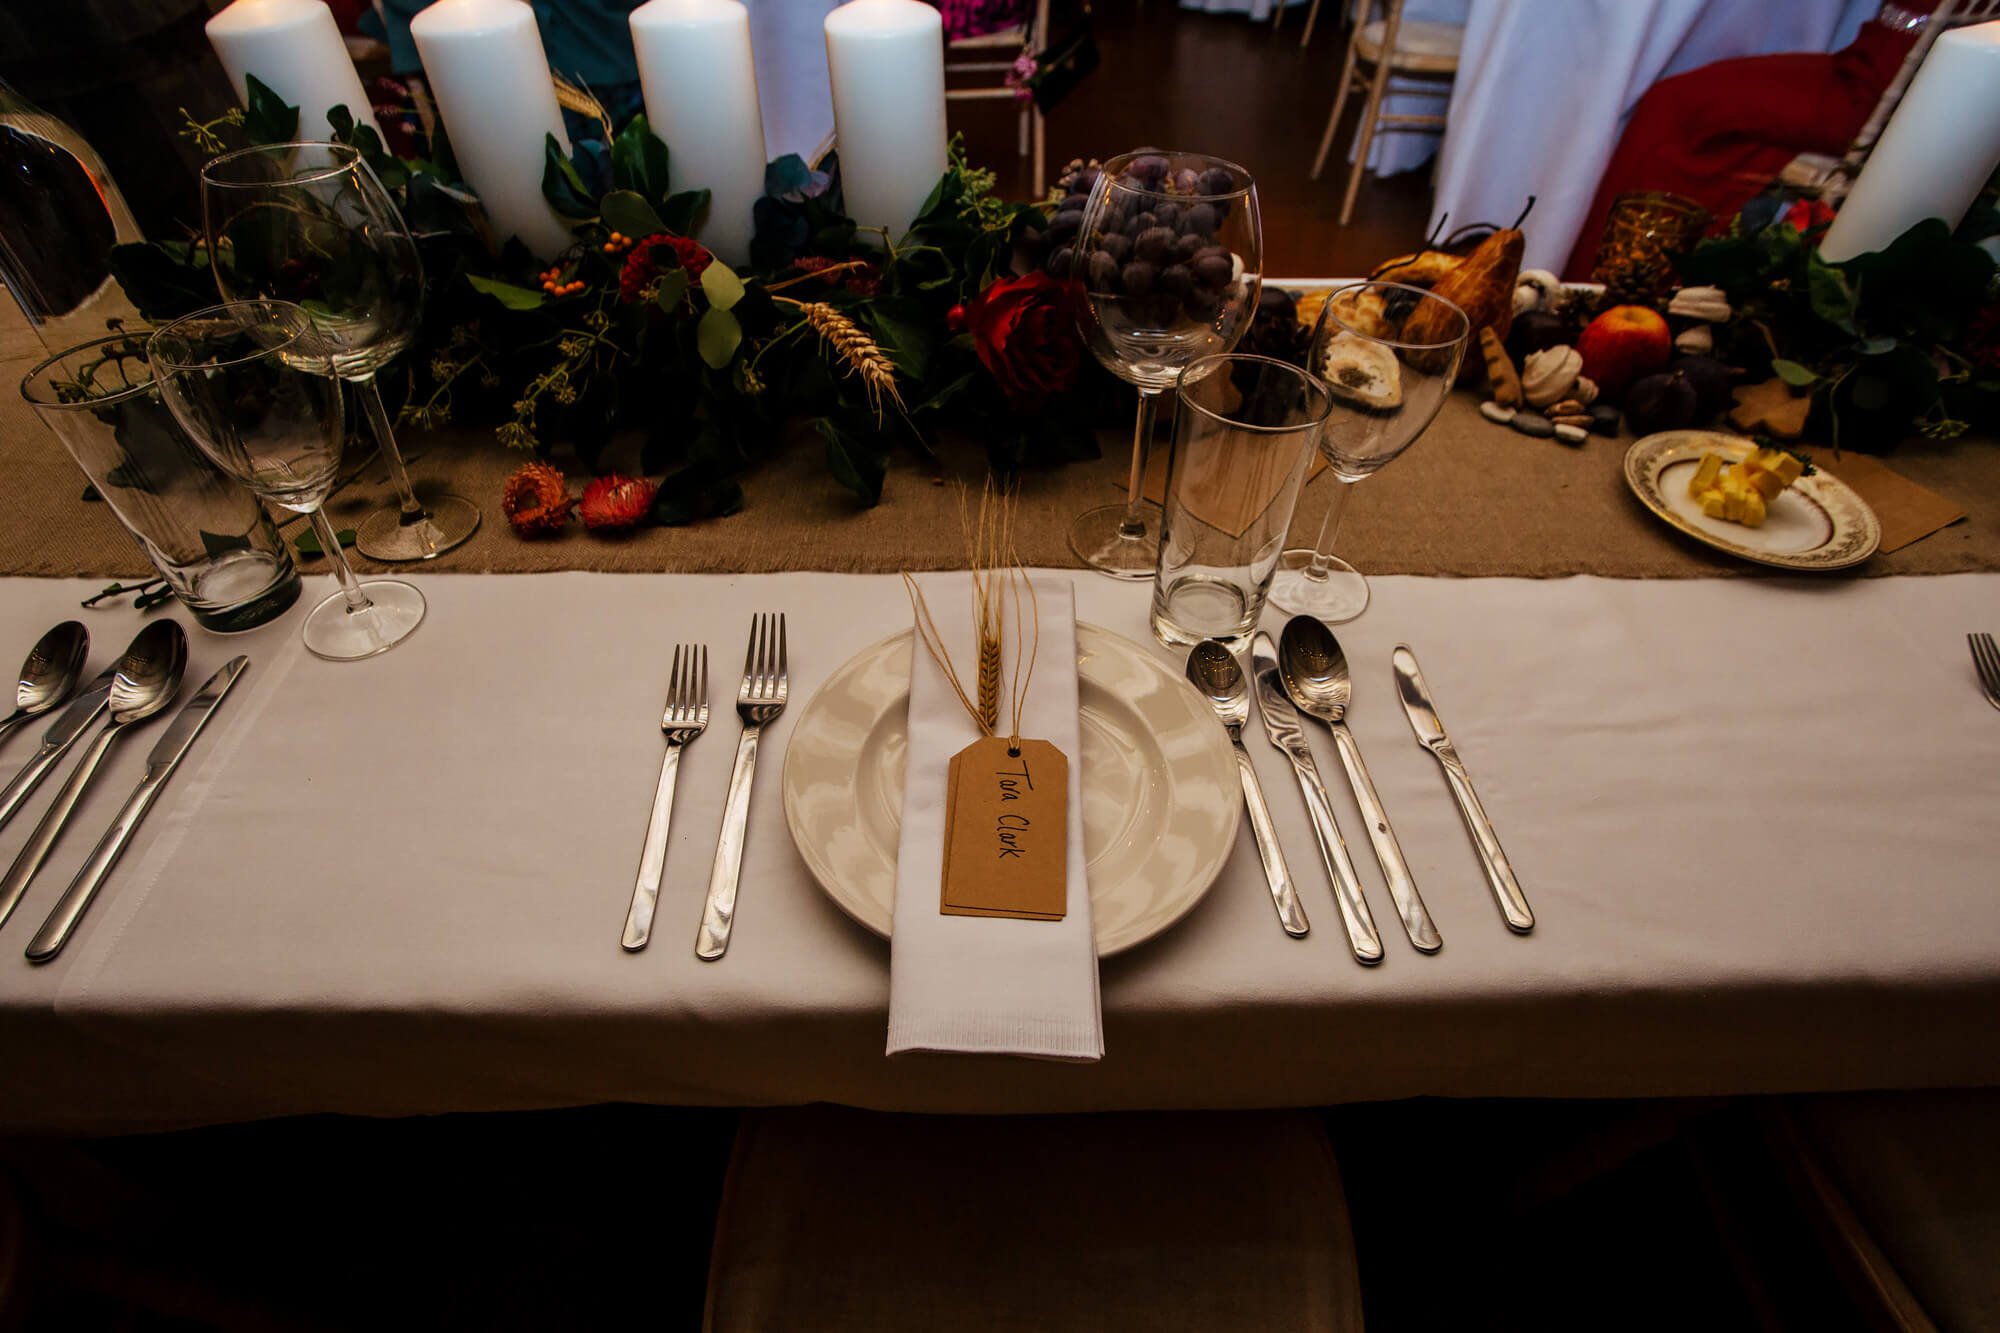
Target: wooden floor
1218	83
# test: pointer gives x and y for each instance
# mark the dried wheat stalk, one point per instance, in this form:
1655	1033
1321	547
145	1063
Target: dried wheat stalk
572	97
863	355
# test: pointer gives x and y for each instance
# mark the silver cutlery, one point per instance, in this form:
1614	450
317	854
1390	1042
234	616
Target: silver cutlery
686	717
160	765
1216	673
1417	706
1287	734
74	721
1316	676
759	699
144	681
50	672
1986	661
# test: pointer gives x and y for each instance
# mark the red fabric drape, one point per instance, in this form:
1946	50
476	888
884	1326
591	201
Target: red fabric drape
1721	133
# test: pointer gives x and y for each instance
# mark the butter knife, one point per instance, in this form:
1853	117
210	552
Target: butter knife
76	719
1424	722
1287	734
160	766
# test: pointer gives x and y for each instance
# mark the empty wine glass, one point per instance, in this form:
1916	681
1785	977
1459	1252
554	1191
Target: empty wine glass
309	223
1388	354
1168	255
252	383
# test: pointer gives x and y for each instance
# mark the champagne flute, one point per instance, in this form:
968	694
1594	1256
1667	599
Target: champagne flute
309	223
1168	256
1388	354
253	385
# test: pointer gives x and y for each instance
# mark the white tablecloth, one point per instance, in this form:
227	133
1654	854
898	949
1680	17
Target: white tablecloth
1544	88
1754	817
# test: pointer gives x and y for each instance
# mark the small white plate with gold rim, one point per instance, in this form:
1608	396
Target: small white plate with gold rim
1817	524
1161	800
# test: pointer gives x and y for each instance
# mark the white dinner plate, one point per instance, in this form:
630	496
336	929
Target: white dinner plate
1819	523
1160	791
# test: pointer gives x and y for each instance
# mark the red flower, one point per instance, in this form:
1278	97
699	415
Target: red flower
1024	330
653	256
1808	215
613	503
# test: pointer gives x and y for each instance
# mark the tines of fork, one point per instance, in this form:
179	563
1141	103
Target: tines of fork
1986	661
766	675
687	694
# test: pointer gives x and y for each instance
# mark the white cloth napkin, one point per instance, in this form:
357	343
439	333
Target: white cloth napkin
991	985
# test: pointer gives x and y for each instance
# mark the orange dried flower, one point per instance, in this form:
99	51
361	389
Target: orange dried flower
536	501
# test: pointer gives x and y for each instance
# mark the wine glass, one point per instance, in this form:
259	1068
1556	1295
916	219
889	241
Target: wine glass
309	223
1168	256
253	385
1388	354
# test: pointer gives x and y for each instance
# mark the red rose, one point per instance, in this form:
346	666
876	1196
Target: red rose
1808	215
1024	330
655	255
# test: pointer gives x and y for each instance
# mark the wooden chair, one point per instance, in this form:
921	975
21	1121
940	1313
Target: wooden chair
1026	35
1387	46
840	1220
1312	17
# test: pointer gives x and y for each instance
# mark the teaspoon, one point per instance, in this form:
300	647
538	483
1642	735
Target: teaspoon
145	680
1315	673
1217	674
54	664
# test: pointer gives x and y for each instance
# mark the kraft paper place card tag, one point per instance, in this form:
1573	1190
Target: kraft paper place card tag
1006	831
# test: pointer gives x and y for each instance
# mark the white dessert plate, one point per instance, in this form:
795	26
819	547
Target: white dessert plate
1819	523
1161	799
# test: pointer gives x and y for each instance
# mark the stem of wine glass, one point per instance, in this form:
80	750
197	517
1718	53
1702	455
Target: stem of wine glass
329	541
1329	530
1134	522
385	440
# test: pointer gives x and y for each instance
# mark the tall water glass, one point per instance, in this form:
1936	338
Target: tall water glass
309	223
1168	253
252	384
1388	354
1244	431
208	536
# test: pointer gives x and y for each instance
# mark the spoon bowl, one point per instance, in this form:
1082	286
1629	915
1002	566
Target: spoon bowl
149	674
1314	669
50	673
1219	676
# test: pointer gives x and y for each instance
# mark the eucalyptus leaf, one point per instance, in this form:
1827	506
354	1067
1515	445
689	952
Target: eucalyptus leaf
672	290
722	287
506	293
307	542
1832	297
683	212
1794	374
216	544
627	212
717	337
855	462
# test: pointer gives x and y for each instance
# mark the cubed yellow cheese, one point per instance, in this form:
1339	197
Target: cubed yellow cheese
1786	466
1705	474
1715	504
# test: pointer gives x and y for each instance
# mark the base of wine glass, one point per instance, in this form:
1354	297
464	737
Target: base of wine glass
1340	596
447	521
340	635
1100	539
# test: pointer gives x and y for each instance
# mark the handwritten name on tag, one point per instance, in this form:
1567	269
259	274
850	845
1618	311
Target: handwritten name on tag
1006	831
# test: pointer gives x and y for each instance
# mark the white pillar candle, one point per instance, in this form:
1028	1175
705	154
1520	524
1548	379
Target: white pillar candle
700	83
886	62
490	79
1939	149
294	49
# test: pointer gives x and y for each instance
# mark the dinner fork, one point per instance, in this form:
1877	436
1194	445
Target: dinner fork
759	699
1986	660
686	718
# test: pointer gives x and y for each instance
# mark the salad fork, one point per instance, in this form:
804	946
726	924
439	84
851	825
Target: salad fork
686	718
759	699
1986	661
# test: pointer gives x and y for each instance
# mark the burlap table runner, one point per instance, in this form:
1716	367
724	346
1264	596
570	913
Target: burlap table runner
1469	499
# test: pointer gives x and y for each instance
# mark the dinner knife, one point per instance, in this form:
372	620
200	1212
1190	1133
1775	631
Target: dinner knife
1287	734
160	766
1430	732
76	719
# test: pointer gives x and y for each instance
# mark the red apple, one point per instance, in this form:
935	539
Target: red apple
1623	344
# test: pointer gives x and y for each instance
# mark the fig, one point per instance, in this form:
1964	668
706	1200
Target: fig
1712	382
1535	331
1666	401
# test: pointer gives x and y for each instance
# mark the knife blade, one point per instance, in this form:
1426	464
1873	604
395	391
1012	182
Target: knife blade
1286	732
74	720
160	765
1430	733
